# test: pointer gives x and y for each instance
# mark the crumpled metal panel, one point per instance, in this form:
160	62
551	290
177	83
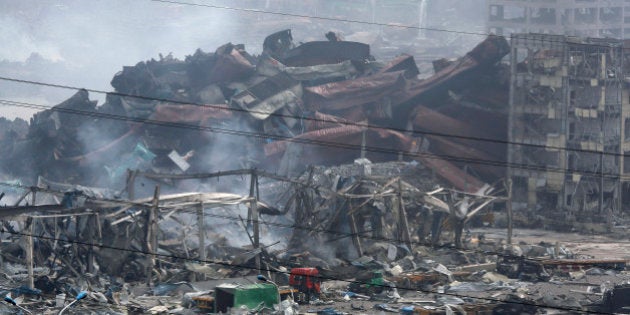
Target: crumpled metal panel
270	95
385	141
349	93
451	173
231	65
269	66
490	51
327	134
402	63
325	52
442	146
197	114
430	120
322	121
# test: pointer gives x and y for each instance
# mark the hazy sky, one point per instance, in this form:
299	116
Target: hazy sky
85	42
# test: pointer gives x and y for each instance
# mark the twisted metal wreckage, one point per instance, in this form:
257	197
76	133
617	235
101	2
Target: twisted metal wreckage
326	103
352	100
105	232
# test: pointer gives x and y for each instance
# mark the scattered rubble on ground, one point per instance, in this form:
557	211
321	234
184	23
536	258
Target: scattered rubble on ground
315	166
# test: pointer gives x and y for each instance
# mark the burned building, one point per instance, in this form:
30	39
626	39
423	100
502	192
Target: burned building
568	109
586	18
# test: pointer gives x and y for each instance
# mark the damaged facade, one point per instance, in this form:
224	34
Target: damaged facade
568	119
596	18
333	176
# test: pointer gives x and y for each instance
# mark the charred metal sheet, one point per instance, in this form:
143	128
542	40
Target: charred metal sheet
270	95
154	77
452	174
492	122
320	135
349	93
278	43
516	267
490	97
190	113
231	64
63	120
357	113
325	52
490	51
323	121
429	120
579	264
617	299
441	63
349	136
441	145
6	212
326	72
471	309
136	107
402	63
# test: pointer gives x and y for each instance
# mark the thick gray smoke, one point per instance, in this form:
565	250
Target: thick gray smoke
83	43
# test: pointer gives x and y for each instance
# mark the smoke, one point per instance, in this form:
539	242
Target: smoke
84	43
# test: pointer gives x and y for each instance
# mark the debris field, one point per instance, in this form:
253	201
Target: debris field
309	179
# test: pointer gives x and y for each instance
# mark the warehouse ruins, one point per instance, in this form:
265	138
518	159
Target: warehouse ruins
316	155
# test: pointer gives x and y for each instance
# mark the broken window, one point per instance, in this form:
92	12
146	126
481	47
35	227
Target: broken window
496	13
565	17
585	15
514	14
545	16
610	15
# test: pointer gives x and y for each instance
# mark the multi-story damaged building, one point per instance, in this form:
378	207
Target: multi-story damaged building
569	121
586	18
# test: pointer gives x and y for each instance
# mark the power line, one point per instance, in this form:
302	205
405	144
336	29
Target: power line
307	141
279	115
246	267
241	266
313	119
318	17
286	226
238	219
406	130
391	25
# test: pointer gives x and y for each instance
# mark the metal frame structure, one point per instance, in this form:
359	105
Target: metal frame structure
566	102
586	18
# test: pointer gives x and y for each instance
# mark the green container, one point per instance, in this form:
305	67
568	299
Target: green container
249	295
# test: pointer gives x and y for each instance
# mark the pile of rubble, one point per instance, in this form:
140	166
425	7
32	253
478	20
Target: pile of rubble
340	240
210	176
316	103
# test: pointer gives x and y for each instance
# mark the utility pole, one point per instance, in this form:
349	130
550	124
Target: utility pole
152	233
254	211
508	204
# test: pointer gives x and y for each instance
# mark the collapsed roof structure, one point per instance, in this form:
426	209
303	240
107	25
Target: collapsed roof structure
221	156
323	101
